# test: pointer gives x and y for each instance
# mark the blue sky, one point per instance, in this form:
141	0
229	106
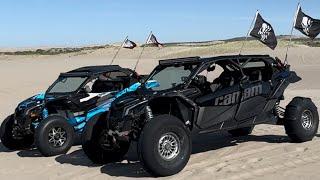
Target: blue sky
85	22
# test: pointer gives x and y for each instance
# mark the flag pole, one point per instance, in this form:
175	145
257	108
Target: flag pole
247	36
116	54
291	34
135	67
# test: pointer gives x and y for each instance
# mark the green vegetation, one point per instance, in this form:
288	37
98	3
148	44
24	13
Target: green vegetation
308	42
53	51
191	48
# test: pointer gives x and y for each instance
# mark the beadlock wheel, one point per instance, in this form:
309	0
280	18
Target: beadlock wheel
57	137
169	146
97	144
54	136
164	146
307	119
301	120
8	138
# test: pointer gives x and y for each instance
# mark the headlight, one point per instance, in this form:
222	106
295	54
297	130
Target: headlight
34	114
35	111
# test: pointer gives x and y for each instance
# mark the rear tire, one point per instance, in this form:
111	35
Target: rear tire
92	139
301	119
10	142
54	136
164	146
245	131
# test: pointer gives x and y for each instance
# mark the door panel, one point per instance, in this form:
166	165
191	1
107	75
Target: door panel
250	108
253	100
217	107
213	115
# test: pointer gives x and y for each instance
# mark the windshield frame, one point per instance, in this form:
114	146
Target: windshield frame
186	83
88	78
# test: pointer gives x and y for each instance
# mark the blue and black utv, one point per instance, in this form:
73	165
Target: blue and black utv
52	120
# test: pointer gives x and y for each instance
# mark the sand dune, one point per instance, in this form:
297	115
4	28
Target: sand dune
266	154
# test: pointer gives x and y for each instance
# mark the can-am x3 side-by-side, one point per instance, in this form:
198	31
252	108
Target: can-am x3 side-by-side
53	119
199	95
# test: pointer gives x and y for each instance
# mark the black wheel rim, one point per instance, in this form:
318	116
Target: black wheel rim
105	141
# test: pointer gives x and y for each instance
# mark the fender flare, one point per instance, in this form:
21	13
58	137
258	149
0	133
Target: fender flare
87	133
185	106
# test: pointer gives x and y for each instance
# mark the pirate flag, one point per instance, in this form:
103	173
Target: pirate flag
153	40
263	31
129	44
306	24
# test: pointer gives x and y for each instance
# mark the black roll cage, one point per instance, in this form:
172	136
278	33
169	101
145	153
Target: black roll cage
89	76
205	62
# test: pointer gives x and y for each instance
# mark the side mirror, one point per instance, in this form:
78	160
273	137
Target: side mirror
152	84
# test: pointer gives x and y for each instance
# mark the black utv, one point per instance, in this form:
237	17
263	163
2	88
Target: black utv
199	95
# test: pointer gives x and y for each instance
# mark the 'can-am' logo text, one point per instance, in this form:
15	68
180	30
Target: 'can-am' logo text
232	98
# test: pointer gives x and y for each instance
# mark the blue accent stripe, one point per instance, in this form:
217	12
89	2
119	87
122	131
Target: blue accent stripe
79	122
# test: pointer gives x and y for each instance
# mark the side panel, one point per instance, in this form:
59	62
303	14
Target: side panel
218	107
253	101
214	115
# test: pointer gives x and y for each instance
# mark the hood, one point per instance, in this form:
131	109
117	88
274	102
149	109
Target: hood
33	101
148	85
130	96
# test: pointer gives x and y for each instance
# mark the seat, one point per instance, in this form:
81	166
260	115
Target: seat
256	76
223	81
102	86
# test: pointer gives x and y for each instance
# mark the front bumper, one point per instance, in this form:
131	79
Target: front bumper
25	118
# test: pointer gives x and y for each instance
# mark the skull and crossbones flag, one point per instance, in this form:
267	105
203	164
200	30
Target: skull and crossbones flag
306	24
264	32
153	40
129	44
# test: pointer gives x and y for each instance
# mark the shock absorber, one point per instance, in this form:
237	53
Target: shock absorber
279	110
149	113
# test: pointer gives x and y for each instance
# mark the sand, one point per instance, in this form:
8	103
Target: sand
266	154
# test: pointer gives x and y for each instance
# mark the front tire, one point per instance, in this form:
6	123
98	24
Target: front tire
301	119
164	146
98	146
8	139
54	136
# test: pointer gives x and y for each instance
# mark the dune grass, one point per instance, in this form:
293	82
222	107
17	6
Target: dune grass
183	48
53	51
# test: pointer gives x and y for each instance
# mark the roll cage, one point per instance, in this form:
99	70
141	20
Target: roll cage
236	62
92	72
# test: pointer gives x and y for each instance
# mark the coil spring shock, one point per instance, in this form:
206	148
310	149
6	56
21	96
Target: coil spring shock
149	113
279	111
